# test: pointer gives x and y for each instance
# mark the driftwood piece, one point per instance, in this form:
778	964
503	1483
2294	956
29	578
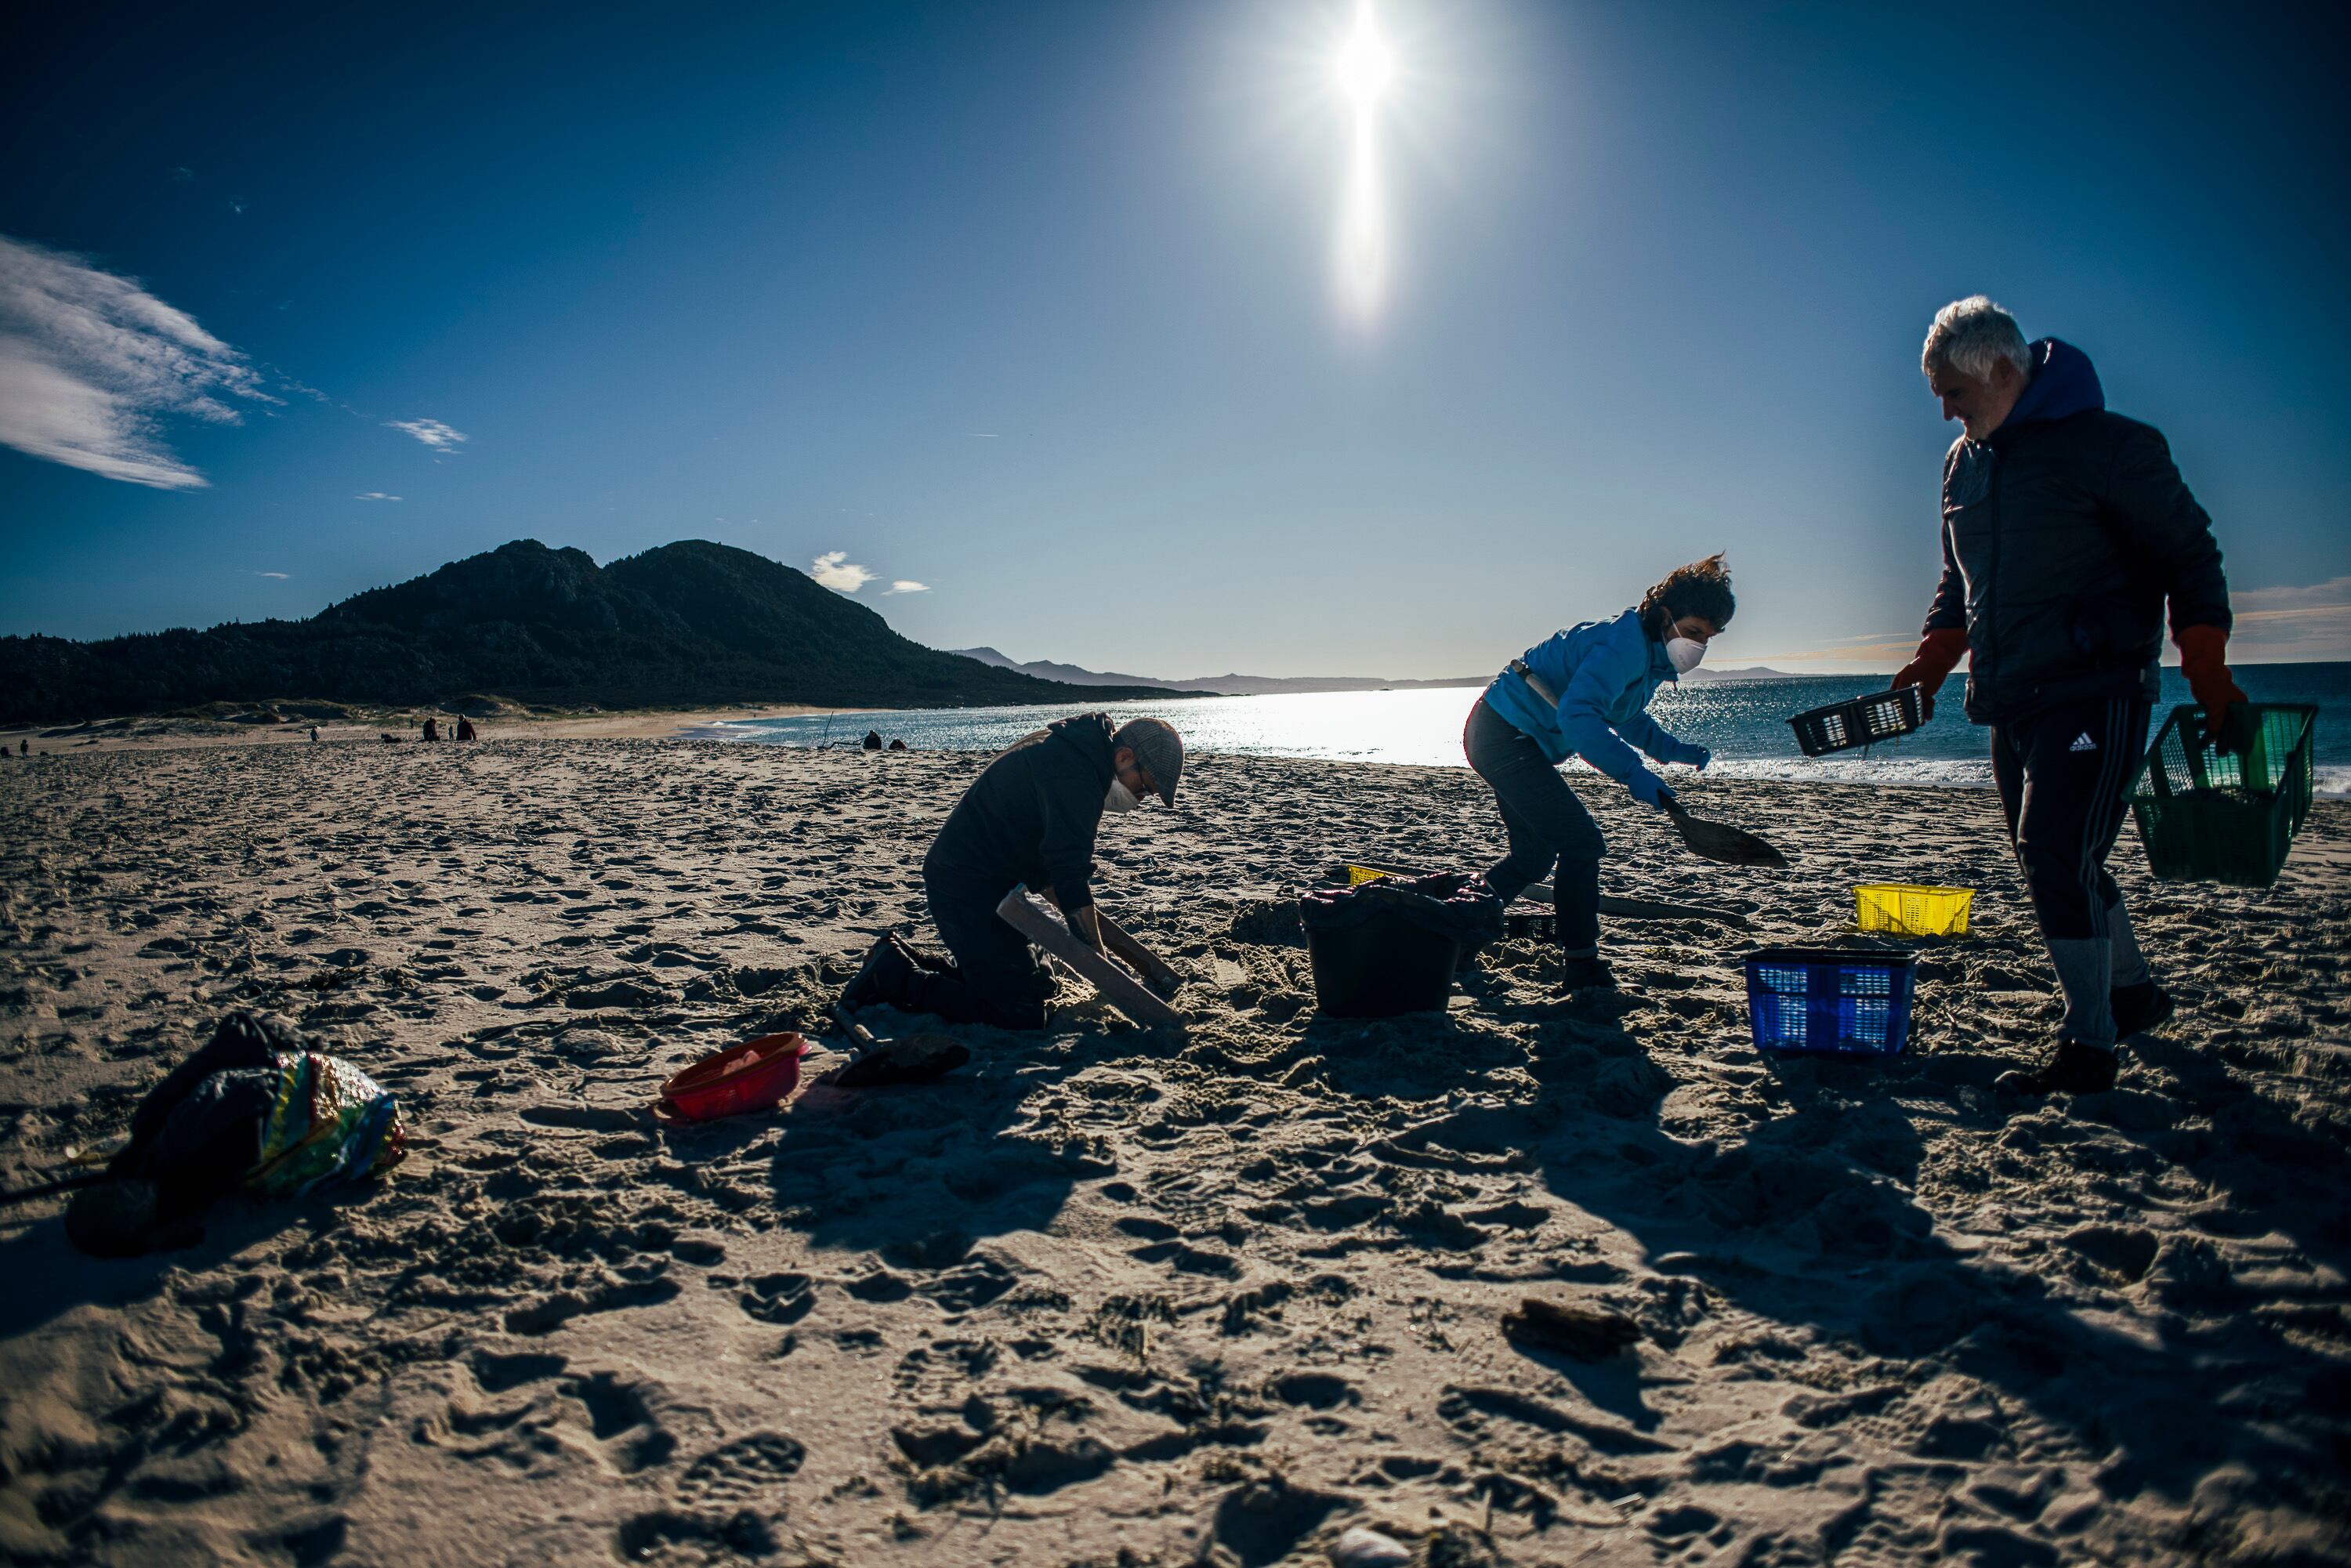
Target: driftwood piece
1572	1328
1650	909
1118	988
1622	908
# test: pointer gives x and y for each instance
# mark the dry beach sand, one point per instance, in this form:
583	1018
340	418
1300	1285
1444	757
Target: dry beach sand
1108	1297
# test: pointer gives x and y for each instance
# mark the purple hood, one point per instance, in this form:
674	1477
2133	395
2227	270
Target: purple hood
2063	382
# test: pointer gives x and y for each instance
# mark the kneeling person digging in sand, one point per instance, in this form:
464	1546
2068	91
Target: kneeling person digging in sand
1029	819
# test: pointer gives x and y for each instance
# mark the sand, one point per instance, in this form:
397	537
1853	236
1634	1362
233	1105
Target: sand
1107	1297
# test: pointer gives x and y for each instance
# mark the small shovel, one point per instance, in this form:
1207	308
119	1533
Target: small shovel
1721	842
1708	841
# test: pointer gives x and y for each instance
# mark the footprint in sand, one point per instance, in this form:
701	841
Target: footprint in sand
623	1421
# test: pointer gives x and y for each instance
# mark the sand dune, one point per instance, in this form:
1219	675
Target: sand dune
1113	1298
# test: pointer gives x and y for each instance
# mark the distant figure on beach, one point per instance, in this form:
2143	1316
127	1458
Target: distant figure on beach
897	746
432	729
465	727
314	735
2066	528
873	740
260	1108
1602	674
1028	819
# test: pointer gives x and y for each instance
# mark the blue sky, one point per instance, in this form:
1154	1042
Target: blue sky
1036	308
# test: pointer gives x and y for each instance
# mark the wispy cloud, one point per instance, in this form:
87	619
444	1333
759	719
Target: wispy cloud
91	362
907	585
279	575
373	496
2292	624
432	432
835	570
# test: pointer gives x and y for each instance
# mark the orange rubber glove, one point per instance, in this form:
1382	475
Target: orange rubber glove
2204	660
1938	654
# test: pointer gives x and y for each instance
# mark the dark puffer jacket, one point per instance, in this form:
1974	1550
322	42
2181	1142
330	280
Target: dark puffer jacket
1030	817
2063	535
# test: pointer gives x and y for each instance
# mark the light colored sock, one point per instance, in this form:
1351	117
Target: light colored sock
2085	970
2129	963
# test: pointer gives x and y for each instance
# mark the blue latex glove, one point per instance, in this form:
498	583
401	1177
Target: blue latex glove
1697	757
1650	790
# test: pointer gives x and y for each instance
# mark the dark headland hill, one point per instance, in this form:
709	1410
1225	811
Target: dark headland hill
687	624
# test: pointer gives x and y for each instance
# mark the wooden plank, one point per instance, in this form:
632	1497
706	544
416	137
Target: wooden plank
1622	908
1118	988
1162	980
1650	909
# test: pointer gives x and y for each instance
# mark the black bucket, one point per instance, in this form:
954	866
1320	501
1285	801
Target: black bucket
1392	947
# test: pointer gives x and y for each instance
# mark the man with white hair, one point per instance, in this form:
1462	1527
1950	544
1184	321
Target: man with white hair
2065	528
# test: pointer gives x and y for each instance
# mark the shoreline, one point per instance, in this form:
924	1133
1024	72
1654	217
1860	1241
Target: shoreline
718	726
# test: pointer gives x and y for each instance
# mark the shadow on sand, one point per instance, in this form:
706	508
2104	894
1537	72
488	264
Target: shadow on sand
1808	1219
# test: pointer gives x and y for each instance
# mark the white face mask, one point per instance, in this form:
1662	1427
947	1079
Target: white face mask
1685	653
1120	799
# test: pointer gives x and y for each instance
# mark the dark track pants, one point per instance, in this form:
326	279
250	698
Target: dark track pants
2063	774
995	979
1546	822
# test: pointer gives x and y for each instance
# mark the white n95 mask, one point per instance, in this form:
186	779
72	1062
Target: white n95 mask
1120	797
1685	653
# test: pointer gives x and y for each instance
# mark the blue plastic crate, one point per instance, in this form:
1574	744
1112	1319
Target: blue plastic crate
1850	999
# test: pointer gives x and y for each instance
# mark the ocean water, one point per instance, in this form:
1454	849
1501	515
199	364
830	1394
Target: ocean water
1743	721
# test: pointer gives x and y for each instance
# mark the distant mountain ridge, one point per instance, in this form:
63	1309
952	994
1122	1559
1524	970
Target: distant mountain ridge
683	625
1233	685
1238	685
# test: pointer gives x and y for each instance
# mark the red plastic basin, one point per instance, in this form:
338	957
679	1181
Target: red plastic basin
743	1078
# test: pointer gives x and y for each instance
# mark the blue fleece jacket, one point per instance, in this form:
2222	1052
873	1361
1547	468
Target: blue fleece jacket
1604	672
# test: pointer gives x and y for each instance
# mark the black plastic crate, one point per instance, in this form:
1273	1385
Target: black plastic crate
1859	721
1379	966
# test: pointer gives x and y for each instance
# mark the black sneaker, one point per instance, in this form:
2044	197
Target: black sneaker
2073	1068
1586	975
882	978
2141	1008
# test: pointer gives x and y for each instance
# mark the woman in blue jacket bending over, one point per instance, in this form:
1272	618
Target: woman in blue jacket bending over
1585	692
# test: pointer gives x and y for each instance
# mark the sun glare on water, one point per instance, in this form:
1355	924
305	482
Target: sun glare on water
1363	72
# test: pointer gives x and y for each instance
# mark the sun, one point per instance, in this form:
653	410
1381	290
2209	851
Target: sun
1365	64
1364	70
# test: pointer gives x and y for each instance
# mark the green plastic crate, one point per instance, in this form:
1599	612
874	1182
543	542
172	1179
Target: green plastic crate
2215	816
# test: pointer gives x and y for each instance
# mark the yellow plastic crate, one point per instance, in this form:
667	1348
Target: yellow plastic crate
1907	909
